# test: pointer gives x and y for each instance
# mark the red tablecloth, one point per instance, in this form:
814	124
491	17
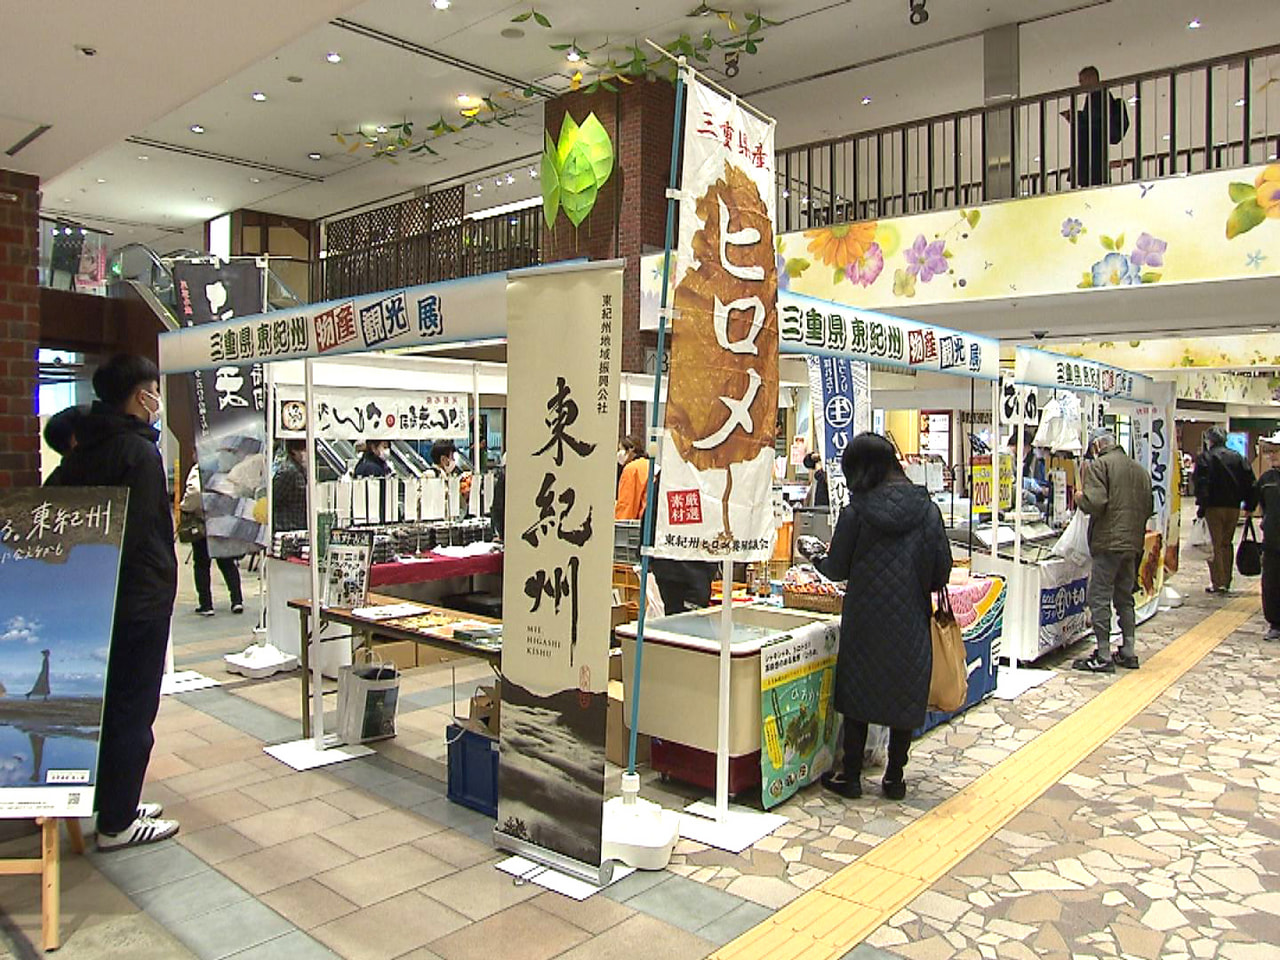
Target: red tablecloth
433	568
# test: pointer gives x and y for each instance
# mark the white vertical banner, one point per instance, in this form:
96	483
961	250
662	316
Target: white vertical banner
717	460
563	350
840	393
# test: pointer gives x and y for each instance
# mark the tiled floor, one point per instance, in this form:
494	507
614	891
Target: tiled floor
1159	845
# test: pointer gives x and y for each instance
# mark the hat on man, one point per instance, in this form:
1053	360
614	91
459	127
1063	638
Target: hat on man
1101	439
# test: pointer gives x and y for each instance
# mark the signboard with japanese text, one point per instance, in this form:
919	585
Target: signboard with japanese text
564	345
1064	610
346	569
798	733
474	308
358	413
231	399
1043	369
840	394
722	396
984	479
55	543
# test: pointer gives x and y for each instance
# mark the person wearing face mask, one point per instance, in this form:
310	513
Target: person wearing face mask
289	488
116	447
444	457
374	461
633	483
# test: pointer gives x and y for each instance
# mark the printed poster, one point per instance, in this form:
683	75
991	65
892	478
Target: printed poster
984	479
361	413
722	396
840	392
1064	610
55	543
346	569
797	684
563	350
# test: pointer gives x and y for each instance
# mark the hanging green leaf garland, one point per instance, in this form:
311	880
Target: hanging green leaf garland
575	169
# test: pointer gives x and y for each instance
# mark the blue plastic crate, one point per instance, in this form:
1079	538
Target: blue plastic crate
473	770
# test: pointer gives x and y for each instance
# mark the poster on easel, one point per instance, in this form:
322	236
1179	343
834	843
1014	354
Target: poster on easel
564	345
798	733
346	569
55	543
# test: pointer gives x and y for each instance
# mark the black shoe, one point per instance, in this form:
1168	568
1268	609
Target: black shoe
237	608
837	783
1128	662
204	611
1095	664
894	789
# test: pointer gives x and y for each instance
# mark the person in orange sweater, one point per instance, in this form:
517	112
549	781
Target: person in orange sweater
633	484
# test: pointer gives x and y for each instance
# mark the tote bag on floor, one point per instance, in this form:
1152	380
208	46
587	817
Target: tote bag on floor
949	685
367	697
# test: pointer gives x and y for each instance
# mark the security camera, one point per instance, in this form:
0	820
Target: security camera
918	14
1039	334
731	63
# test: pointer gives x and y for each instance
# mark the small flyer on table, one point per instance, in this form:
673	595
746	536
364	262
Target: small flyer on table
54	544
798	737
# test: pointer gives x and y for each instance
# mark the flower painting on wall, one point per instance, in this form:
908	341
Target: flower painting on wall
1255	203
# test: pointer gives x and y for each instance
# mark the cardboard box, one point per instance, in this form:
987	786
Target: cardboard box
615	664
623	613
617	734
403	653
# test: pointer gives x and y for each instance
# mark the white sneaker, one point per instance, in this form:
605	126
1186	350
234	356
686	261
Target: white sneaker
142	830
151	811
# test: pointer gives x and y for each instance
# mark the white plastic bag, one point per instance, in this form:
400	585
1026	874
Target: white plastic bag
877	752
1074	542
1198	538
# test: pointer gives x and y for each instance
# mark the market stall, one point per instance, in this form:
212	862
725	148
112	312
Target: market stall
1054	402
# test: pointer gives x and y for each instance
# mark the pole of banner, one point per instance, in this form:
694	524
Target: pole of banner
722	718
651	496
269	384
1018	473
477	458
313	537
995	469
973	428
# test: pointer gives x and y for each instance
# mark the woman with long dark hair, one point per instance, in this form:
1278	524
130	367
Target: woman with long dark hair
890	545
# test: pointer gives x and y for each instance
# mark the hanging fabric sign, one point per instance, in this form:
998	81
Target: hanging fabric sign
1043	369
722	397
840	394
358	413
561	473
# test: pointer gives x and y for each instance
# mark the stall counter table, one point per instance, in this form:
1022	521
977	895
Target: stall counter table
439	638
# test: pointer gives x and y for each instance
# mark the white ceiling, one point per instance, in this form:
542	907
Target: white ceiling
156	96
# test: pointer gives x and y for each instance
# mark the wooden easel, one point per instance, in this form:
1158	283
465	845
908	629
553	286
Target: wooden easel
48	868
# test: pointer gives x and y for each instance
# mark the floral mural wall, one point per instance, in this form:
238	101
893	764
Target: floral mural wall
1212	226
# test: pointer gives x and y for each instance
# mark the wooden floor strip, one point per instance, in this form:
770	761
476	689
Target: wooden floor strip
834	917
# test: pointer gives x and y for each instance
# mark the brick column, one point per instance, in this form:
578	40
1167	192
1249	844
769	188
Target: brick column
19	329
630	214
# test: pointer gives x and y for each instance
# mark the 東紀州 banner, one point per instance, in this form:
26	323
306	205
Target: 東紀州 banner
562	409
474	308
1040	368
722	396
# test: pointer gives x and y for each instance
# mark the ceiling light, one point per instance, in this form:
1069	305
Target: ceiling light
380	128
442	4
1240	102
1261	330
196	128
333	56
208	199
865	101
786	194
313	156
533	172
1132	100
1035	159
511	178
255	179
259	96
1165	137
143	156
66	199
497	181
1194	24
573	56
467	100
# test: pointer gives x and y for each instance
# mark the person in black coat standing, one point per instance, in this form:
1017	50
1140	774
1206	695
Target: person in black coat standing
1267	496
373	463
1223	481
116	447
890	545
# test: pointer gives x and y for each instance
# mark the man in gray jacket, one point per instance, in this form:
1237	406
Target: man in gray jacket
1116	495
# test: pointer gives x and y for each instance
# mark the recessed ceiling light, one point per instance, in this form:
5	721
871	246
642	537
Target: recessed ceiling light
467	100
497	181
573	56
1035	159
1132	100
259	96
333	56
1261	329
196	128
313	155
511	178
1165	137
1240	102
865	101
786	194
102	179
380	128
208	199
533	172
255	179
442	4
1194	24
66	199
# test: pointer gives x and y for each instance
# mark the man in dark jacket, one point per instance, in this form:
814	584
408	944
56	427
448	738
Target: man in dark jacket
116	447
1116	496
1267	496
1223	480
289	488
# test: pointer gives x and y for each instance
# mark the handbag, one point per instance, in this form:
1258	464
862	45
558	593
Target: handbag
190	527
949	682
1249	553
367	696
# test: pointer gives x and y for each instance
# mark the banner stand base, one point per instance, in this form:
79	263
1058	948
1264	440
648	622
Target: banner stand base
303	755
1011	684
1170	599
600	876
185	681
741	828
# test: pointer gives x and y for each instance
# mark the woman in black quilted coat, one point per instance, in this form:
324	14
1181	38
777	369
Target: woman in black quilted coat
891	546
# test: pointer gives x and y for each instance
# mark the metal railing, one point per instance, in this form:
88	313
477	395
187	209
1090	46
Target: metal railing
140	264
1214	114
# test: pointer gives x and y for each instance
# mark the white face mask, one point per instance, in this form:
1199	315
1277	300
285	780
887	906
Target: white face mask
156	414
622	458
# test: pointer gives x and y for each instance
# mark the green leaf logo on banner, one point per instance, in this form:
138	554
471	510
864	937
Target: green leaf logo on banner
575	169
